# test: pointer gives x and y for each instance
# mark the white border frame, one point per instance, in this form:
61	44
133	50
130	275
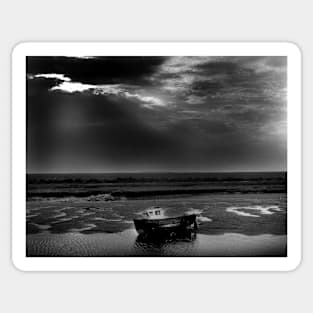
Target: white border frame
155	264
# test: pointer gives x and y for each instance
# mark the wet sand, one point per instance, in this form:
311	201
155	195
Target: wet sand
128	243
228	225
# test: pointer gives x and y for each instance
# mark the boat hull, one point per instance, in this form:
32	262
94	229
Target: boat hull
166	224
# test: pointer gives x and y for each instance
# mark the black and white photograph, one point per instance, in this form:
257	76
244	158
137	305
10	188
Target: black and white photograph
156	156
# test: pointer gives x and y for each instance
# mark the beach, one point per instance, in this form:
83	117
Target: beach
126	243
239	222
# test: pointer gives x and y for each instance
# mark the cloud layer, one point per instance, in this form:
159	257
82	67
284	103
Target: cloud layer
156	113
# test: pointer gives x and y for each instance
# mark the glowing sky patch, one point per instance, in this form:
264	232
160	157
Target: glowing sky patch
71	87
117	90
61	77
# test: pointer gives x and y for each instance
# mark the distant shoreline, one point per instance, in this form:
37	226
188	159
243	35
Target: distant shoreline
140	185
154	172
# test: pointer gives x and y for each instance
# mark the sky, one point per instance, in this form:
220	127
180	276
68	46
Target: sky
146	114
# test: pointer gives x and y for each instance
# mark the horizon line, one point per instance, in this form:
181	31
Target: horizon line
157	172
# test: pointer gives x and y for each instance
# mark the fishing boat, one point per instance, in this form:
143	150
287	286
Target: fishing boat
154	220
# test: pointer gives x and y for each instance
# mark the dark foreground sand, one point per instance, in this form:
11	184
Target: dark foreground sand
128	243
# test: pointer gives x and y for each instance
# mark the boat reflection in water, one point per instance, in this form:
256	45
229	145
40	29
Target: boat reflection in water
178	243
161	235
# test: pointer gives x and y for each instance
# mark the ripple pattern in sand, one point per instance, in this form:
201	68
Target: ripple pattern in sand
76	244
79	218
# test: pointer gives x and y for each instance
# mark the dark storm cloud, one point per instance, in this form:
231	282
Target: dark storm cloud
96	70
156	113
203	88
218	68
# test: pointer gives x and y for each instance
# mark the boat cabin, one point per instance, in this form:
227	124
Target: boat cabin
154	213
